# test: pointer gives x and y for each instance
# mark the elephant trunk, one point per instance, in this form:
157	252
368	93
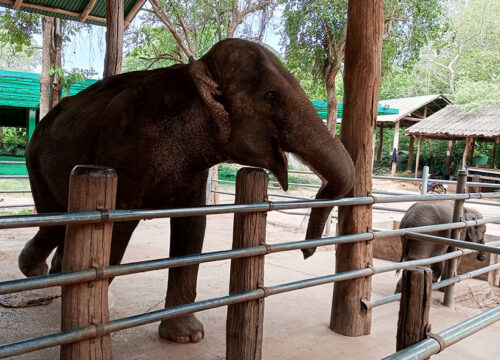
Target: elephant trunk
329	159
481	256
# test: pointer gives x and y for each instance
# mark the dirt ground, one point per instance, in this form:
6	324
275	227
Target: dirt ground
295	323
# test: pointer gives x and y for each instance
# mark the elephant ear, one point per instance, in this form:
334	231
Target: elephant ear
208	89
474	233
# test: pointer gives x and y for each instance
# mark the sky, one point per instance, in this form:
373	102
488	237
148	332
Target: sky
86	49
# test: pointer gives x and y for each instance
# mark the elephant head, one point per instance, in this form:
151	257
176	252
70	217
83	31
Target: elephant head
475	233
261	112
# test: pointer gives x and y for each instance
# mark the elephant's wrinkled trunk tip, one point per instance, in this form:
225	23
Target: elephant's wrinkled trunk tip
481	256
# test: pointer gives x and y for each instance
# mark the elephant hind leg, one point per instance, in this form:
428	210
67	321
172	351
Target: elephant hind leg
32	260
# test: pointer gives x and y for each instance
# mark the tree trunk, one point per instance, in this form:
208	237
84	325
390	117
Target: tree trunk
47	30
114	38
56	63
362	81
330	74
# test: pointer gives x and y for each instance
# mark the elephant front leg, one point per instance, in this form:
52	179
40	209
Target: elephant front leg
186	237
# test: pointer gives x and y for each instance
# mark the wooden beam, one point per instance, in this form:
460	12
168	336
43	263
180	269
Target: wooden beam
114	38
471	151
419	144
448	158
54	10
425	111
137	6
380	142
17	4
418	114
410	156
410	118
362	64
85	14
395	147
466	151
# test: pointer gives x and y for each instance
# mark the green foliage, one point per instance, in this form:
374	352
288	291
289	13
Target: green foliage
14	136
18	28
73	77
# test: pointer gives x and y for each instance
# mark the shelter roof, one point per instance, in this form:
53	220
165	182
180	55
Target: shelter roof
454	123
87	11
412	109
322	107
22	89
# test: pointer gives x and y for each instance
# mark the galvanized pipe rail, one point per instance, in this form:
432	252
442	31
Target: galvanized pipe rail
149	317
8	222
370	304
448	337
159	264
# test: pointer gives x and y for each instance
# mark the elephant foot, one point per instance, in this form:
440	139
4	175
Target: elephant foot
29	266
183	329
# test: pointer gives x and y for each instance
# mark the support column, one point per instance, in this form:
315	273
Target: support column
114	38
493	156
362	79
410	156
466	151
380	141
30	124
419	145
395	147
448	158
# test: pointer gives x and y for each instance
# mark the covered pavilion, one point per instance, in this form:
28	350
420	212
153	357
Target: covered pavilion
453	123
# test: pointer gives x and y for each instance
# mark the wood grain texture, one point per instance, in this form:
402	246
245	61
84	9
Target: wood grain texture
114	38
413	321
361	84
244	329
88	246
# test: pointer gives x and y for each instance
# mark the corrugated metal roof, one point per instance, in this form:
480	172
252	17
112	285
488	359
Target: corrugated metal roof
409	105
22	89
453	122
322	109
72	10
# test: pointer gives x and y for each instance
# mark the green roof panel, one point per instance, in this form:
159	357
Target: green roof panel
71	10
322	106
21	89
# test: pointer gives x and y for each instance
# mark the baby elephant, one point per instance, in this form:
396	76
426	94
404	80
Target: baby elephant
431	213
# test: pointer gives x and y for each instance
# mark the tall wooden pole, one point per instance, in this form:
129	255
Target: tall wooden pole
380	141
88	246
448	158
493	156
114	38
362	80
395	147
419	145
466	152
412	153
245	320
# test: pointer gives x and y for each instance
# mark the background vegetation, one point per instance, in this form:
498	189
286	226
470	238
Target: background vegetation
450	47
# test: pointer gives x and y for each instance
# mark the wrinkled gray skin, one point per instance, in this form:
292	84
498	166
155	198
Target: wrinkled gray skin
431	213
161	130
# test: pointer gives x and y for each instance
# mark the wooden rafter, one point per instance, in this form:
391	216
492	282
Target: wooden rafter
132	12
409	118
85	14
17	4
417	114
54	10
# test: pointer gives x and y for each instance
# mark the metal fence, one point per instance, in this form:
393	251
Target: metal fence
100	273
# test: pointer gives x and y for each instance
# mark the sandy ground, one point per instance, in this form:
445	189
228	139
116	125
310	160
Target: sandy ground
296	323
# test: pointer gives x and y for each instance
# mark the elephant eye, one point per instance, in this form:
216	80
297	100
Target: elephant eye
271	95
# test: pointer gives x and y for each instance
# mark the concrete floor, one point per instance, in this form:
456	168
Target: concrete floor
295	323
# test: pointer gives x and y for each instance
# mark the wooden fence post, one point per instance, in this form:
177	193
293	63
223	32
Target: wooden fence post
413	321
362	78
245	320
88	246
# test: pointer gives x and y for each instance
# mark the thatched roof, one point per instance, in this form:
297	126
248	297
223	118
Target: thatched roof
412	109
454	123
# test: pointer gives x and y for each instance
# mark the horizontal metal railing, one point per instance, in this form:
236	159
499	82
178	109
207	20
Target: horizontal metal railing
448	337
129	215
149	317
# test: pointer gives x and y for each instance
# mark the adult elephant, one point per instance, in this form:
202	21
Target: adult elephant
432	213
161	130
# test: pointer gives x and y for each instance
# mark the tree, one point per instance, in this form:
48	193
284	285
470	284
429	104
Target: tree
314	37
175	32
